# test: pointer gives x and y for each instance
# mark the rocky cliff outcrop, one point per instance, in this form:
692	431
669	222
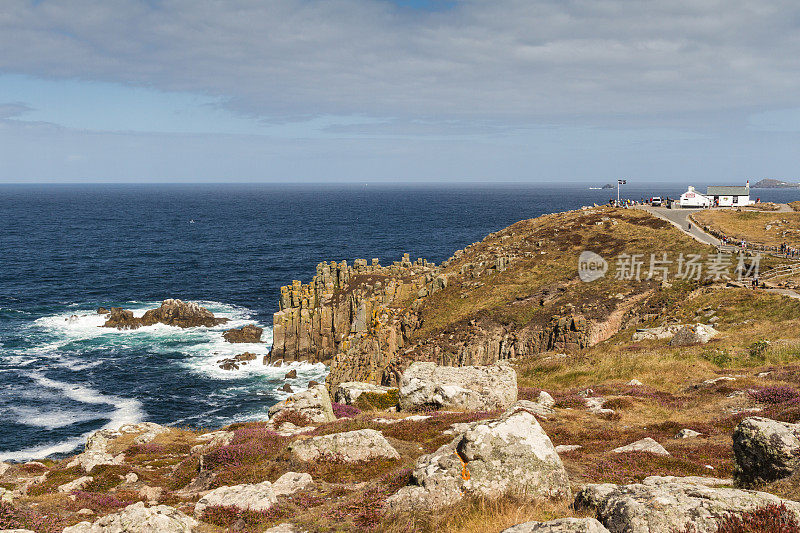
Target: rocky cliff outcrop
364	304
514	294
172	313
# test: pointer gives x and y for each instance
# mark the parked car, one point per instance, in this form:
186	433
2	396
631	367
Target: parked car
656	201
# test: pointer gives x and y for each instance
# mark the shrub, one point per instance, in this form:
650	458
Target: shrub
342	410
572	401
758	350
249	445
14	518
528	393
378	401
98	502
242	518
773	518
287	415
775	395
720	358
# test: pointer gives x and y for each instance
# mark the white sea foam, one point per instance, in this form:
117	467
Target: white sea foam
125	411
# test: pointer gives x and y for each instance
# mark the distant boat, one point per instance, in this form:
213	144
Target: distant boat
191	221
595	188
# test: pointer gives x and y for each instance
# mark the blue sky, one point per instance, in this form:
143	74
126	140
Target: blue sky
410	90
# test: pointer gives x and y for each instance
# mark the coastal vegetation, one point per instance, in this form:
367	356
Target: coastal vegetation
595	368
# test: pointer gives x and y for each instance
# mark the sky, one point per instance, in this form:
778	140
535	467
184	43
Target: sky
417	91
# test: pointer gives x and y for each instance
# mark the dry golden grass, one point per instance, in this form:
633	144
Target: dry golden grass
484	515
545	252
770	229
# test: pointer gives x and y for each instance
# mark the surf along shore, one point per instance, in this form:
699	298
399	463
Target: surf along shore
500	387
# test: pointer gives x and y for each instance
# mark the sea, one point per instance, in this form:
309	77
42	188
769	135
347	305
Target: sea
66	250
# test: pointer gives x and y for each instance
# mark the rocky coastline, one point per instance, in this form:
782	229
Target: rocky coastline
492	392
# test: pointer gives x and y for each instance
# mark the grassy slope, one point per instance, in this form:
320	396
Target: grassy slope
763	228
348	498
546	251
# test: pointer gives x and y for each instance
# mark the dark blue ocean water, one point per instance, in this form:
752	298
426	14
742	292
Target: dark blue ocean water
65	250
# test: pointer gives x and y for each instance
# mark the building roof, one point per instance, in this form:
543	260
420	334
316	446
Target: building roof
728	190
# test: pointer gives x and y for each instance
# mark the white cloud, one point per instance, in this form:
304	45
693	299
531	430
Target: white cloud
517	60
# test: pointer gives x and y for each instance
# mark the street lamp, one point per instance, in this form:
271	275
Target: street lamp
620	182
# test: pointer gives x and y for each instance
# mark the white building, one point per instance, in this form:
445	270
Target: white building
692	198
729	196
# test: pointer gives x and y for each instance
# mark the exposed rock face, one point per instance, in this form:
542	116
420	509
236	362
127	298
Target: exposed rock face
671	504
492	457
98	445
349	391
426	385
765	450
248	333
251	497
314	403
172	313
644	445
340	305
137	518
77	484
350	447
690	335
291	482
562	525
661	332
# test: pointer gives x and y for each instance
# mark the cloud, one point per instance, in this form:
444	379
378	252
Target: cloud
13	110
504	60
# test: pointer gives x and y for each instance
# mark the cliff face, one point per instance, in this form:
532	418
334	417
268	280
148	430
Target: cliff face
514	294
346	306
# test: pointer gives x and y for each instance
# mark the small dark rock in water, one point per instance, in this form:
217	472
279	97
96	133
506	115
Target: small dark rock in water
312	383
290	374
232	363
102	311
248	333
286	388
228	364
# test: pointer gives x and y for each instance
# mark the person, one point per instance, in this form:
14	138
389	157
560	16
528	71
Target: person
689	225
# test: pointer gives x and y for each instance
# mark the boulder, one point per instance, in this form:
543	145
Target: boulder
687	433
493	457
102	311
76	484
365	395
249	497
248	333
350	447
137	518
291	482
314	403
691	335
661	332
765	450
291	374
172	313
644	445
286	388
562	525
671	504
98	450
471	388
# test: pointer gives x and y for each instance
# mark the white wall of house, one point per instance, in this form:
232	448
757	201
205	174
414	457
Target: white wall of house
692	198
